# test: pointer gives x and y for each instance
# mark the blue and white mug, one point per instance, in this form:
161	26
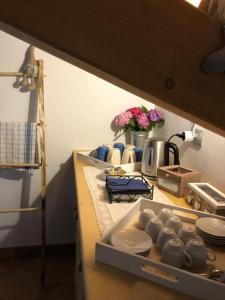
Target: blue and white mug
119	146
102	152
138	153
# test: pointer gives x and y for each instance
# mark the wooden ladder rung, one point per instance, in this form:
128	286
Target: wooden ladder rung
16	74
18	166
9	74
12	210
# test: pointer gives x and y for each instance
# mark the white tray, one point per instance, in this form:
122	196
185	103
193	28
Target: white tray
85	157
156	271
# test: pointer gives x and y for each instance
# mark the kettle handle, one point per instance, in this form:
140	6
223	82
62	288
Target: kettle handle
171	146
150	159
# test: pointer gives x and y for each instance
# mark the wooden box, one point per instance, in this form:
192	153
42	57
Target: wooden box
174	179
203	196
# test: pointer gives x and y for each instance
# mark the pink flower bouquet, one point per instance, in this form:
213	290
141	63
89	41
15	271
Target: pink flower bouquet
139	119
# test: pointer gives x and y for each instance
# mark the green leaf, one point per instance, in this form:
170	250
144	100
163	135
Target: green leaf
144	109
132	123
160	123
140	128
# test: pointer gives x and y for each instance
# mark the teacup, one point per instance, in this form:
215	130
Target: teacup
186	233
173	254
175	223
165	214
138	153
153	228
113	156
199	253
102	152
144	216
119	146
165	235
128	156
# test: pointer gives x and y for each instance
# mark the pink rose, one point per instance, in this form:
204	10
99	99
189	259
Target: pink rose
123	119
136	111
143	120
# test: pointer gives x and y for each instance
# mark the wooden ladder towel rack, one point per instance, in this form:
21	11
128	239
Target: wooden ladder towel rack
42	161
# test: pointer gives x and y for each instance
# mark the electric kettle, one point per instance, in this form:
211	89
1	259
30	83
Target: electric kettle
156	154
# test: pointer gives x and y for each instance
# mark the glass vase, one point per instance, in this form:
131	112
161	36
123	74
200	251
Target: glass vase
138	138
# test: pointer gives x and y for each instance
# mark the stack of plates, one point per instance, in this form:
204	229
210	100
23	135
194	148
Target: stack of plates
132	241
212	230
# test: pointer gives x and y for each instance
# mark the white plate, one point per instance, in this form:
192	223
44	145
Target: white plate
212	237
132	241
211	240
212	226
214	243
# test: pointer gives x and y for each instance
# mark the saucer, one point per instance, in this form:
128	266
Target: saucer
132	241
211	239
211	226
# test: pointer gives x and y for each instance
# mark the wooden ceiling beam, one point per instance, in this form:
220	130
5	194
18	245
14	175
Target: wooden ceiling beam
151	48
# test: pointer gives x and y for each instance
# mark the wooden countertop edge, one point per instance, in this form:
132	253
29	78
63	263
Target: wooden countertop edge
102	281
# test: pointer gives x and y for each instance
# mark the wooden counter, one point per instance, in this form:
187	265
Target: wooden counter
100	281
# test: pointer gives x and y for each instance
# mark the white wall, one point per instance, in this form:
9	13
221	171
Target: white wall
209	158
79	111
